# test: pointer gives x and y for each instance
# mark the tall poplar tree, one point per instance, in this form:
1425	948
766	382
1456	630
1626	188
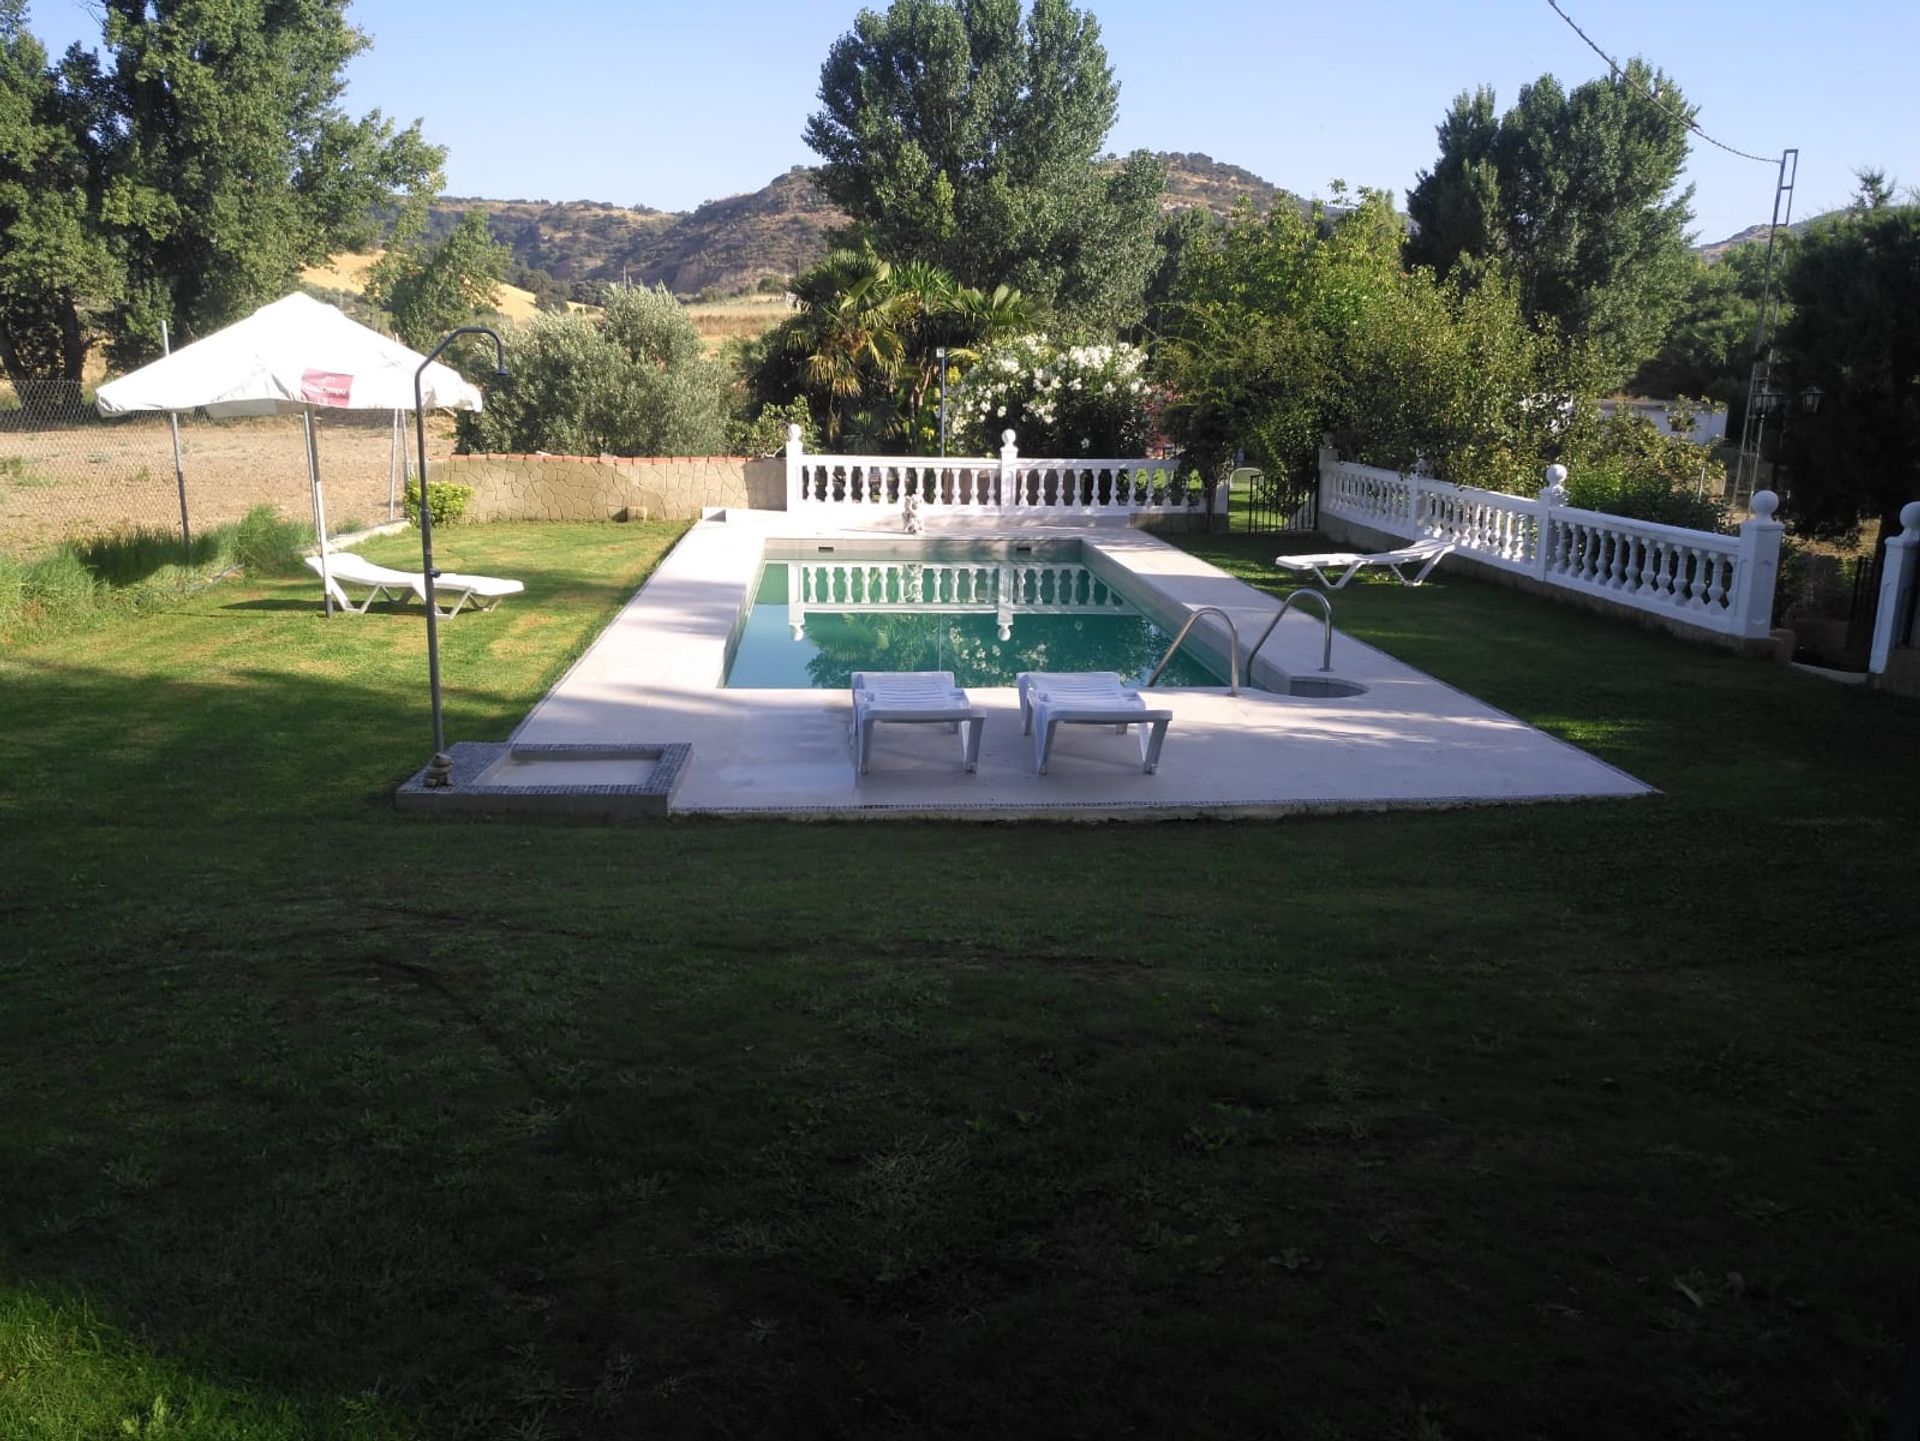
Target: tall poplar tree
54	259
1575	194
960	133
183	173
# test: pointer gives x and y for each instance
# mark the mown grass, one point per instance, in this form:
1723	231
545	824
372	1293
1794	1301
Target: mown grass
1568	1121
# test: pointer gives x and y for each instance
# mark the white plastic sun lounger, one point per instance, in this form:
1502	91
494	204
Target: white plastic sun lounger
1426	553
913	697
483	592
1051	699
345	567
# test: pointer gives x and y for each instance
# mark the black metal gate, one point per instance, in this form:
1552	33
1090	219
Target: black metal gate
1264	503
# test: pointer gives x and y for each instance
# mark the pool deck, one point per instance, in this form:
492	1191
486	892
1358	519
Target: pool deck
654	677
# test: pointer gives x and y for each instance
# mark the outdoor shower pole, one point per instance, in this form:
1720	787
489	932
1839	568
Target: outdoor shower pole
442	764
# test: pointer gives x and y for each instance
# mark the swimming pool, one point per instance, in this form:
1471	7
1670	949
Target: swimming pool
812	621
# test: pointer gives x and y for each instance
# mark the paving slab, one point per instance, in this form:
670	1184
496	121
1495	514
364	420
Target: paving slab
655	676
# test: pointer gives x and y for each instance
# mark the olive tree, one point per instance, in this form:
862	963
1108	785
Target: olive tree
633	381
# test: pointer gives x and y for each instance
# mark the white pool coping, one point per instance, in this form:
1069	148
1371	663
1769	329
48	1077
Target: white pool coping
654	676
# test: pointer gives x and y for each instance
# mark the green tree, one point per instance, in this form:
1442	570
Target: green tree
1854	333
953	133
229	161
1708	353
430	290
55	265
863	345
1574	194
1292	326
632	381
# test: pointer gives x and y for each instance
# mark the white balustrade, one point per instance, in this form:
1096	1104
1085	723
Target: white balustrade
1721	583
850	587
1896	622
843	487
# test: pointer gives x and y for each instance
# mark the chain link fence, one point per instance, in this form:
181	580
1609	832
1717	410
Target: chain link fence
66	474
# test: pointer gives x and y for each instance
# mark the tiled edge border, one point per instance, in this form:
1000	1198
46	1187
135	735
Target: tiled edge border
1135	812
467	796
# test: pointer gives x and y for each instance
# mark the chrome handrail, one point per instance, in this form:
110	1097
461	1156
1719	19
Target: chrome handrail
1233	651
1326	608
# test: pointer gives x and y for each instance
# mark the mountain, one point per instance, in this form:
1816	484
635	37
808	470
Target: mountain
1200	180
1751	235
731	245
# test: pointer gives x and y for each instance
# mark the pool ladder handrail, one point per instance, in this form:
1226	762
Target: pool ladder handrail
1233	651
1326	621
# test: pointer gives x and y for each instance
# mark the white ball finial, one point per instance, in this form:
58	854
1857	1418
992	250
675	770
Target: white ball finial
793	435
1556	476
1765	503
1910	518
1006	437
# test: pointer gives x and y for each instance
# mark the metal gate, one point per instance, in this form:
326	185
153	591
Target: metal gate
1265	504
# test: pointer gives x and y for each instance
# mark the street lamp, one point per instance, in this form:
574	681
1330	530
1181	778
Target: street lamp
440	769
941	354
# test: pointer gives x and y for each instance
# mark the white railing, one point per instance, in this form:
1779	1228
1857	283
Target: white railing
844	487
1895	620
849	587
1720	583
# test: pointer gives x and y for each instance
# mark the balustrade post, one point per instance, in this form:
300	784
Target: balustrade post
1899	574
796	468
1009	468
1553	493
1759	568
1328	459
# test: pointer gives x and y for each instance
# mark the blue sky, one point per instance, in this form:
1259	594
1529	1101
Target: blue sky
671	104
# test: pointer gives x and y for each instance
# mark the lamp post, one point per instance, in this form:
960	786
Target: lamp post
440	769
941	354
1782	402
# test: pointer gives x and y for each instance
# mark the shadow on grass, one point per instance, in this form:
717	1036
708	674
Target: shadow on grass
673	1130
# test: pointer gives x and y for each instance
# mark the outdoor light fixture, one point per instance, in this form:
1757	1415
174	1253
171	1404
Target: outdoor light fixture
1810	399
440	769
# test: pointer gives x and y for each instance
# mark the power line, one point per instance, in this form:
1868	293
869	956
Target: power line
1654	100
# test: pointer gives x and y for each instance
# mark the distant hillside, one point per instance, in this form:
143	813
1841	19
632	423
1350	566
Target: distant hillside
1196	180
1749	236
727	246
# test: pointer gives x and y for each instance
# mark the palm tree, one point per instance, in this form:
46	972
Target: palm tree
962	321
849	328
870	333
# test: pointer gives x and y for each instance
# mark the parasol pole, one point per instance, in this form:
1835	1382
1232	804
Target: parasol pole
319	514
396	461
179	474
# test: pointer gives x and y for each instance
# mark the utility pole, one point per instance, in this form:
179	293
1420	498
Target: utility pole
1760	396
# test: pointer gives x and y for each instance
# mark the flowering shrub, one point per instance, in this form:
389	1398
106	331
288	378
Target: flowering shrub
1090	400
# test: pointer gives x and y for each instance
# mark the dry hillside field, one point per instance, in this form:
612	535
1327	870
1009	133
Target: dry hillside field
88	478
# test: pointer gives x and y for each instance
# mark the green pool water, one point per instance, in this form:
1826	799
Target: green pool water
813	624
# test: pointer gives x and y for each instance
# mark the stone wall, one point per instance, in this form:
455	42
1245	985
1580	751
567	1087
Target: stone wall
608	487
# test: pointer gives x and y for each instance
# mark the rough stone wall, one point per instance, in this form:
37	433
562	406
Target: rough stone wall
581	487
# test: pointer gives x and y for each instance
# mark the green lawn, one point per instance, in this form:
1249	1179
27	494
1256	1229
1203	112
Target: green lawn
1588	1120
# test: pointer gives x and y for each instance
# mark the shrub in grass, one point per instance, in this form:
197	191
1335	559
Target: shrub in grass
84	582
50	590
446	502
267	543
